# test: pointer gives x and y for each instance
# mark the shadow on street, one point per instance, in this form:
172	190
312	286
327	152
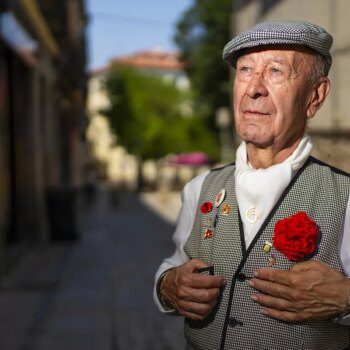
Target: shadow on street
95	293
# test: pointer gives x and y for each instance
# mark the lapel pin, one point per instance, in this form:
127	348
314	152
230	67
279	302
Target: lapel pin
216	219
209	222
206	207
220	197
252	215
272	260
267	247
208	233
225	210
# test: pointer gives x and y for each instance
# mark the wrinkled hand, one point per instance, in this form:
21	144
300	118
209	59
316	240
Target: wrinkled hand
309	291
192	294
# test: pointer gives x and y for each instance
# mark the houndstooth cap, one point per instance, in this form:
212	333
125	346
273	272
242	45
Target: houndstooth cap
280	33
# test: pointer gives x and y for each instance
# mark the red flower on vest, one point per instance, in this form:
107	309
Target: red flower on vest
296	236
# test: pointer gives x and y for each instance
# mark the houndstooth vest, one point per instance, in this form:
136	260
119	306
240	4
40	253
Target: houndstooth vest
236	322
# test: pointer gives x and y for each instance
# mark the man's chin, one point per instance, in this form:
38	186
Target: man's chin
257	142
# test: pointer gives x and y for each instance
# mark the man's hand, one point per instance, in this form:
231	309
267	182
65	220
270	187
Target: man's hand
309	291
192	294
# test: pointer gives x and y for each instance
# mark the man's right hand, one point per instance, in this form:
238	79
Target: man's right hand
192	294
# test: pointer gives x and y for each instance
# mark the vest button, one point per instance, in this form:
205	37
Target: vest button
241	277
232	322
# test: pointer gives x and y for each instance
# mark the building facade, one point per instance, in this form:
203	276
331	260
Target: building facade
42	115
115	163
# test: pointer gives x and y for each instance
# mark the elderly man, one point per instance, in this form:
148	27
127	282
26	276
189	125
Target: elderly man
262	246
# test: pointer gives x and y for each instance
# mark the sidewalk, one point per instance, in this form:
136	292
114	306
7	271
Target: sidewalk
94	294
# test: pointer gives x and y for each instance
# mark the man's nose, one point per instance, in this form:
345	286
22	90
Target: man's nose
256	86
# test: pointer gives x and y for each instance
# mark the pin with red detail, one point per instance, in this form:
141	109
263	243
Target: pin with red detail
225	210
220	197
206	207
208	233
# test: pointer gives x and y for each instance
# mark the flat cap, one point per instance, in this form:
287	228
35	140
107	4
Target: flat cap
281	33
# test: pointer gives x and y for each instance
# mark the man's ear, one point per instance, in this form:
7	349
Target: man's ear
318	96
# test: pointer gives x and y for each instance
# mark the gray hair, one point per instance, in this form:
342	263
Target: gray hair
320	68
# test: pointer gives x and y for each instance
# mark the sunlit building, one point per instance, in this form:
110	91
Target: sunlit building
115	163
157	62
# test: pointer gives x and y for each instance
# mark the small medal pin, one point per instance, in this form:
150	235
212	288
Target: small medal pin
272	260
208	233
209	222
252	215
206	207
267	247
215	221
220	197
225	210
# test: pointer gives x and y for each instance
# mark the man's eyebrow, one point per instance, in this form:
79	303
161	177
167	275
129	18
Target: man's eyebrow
246	60
279	60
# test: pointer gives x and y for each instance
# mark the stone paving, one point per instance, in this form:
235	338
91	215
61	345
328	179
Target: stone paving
94	294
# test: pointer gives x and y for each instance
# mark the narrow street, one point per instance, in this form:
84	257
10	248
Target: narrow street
96	293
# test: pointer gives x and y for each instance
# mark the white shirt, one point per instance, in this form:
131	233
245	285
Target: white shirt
262	199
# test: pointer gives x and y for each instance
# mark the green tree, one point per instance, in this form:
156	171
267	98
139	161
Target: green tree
201	36
145	113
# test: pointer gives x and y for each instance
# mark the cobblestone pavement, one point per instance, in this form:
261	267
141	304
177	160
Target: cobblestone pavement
94	294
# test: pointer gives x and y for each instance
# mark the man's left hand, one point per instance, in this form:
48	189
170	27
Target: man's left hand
309	291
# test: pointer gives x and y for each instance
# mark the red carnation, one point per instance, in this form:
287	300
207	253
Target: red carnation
296	236
206	207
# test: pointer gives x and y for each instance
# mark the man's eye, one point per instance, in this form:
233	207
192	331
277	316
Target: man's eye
275	70
244	69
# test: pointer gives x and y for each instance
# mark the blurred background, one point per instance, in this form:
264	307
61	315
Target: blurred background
107	108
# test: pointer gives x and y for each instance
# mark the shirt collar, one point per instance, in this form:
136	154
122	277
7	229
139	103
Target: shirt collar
296	159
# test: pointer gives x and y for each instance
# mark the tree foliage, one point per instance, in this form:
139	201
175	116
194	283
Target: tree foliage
201	36
145	113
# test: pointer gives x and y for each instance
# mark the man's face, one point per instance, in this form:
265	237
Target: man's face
272	95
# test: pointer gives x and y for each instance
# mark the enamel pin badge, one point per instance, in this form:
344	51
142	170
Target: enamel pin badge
267	250
225	210
272	260
267	247
220	197
208	233
252	215
209	222
206	207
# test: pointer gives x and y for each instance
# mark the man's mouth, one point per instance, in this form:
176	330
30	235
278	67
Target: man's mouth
253	111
